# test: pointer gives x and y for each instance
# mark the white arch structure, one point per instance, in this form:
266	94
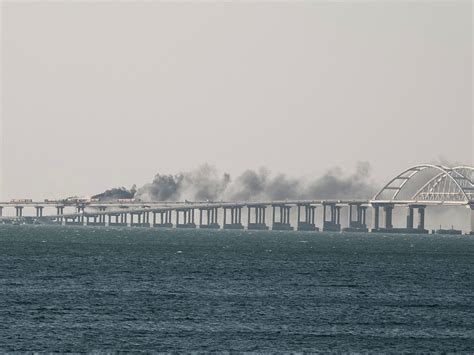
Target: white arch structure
449	185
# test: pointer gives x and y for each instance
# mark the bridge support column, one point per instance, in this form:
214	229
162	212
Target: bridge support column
39	211
167	216
101	217
211	218
376	217
19	211
162	219
97	220
364	217
388	210
72	221
235	217
116	220
471	206
142	219
421	218
165	219
259	223
146	219
334	224
284	220
359	223
307	224
59	210
188	215
410	218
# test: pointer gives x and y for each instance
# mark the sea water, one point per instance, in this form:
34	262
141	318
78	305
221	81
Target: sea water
80	289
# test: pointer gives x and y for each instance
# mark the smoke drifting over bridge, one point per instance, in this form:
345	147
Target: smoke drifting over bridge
206	183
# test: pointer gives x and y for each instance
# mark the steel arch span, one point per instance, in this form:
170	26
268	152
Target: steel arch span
432	184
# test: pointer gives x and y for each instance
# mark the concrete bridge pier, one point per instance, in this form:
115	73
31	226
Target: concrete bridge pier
19	211
284	221
421	219
410	217
334	223
146	218
235	213
116	220
102	216
39	211
80	209
141	221
124	218
308	223
376	218
388	211
388	218
188	216
73	221
95	220
357	224
165	219
259	223
471	206
60	212
211	218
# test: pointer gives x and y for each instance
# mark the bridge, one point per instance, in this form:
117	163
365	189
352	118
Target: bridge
413	189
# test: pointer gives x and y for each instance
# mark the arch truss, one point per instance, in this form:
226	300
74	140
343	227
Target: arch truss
442	185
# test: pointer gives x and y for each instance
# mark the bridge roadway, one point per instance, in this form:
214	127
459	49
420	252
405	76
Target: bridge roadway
138	214
433	185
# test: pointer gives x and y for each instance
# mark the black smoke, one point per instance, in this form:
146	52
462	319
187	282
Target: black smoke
116	194
201	184
205	183
333	184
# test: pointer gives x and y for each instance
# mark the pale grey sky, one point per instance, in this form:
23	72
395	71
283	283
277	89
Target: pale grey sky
104	94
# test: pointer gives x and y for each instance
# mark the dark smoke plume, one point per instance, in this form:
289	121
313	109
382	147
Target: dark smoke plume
205	183
333	184
201	184
116	193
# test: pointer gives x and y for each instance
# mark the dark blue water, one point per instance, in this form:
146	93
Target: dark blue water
85	289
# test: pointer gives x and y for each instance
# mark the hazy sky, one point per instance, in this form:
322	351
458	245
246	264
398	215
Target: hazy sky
103	94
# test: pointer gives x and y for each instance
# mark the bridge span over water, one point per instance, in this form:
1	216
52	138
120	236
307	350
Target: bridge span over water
413	189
